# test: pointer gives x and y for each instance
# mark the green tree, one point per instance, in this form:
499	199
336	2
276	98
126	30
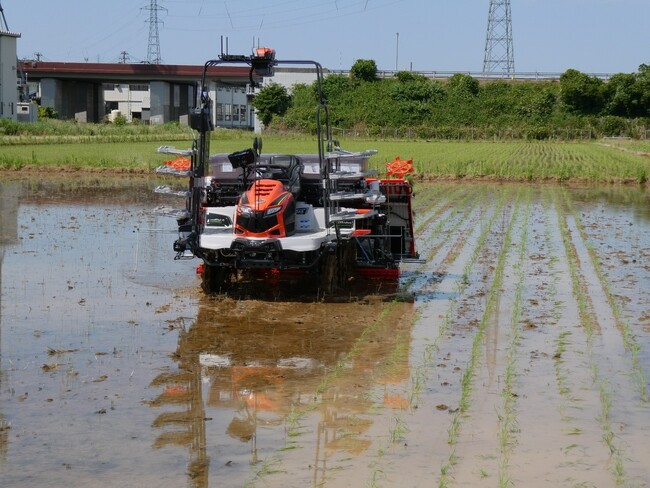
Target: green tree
334	86
272	100
535	104
621	96
581	93
413	98
461	104
301	113
364	70
463	86
642	90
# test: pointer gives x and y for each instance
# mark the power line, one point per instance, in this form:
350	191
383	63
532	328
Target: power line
499	53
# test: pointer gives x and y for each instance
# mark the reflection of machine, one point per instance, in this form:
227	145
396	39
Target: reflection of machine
248	367
322	214
8	235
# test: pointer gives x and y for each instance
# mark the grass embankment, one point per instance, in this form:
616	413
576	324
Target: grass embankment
135	152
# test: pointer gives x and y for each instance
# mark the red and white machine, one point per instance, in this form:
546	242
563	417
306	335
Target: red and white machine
325	215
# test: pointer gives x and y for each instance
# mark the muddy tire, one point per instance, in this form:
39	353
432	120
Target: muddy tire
328	272
337	268
216	279
346	263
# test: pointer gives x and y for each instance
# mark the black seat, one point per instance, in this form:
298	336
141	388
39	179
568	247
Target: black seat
291	170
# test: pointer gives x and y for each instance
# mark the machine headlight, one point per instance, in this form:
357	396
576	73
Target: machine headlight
272	211
245	211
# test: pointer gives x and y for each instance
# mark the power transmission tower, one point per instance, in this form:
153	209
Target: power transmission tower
153	51
3	20
499	54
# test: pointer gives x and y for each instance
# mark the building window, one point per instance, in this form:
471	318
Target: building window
242	113
227	112
219	111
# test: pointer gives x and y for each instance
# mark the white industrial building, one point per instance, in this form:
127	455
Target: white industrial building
133	101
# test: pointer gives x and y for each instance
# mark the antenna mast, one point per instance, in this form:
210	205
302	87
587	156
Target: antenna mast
153	51
499	54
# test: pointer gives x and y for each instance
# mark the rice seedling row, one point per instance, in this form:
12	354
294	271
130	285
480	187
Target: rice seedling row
632	345
484	304
610	365
429	362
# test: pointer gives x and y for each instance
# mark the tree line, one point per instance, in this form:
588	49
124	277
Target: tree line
577	103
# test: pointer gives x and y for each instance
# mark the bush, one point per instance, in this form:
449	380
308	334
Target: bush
120	121
612	126
539	133
10	127
47	113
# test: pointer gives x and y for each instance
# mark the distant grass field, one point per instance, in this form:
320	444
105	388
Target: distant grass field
591	162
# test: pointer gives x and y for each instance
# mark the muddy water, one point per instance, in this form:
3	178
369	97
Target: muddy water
524	360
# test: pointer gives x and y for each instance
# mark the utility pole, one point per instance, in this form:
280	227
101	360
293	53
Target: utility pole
396	50
499	54
153	51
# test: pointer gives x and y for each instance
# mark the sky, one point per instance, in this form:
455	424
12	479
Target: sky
593	36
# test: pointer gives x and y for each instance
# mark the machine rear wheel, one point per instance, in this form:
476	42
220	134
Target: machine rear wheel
347	259
337	268
216	279
328	272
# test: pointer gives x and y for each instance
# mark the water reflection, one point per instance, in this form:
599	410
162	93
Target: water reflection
635	199
241	371
245	369
8	236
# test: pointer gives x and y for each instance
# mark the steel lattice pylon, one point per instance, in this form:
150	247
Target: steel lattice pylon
153	51
3	20
499	54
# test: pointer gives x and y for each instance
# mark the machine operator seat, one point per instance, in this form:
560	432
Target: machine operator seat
292	171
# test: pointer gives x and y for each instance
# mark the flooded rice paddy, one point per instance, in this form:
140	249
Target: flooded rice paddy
524	359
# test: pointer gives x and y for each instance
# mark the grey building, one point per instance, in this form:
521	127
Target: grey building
153	93
8	75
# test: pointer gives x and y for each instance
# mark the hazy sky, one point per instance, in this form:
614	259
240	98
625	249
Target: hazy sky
593	36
